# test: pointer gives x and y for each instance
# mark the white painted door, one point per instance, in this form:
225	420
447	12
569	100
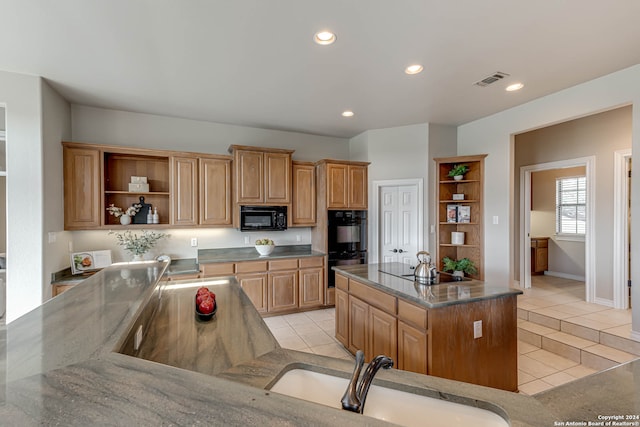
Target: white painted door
398	233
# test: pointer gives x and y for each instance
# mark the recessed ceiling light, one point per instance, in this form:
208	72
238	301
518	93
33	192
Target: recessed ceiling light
513	87
347	113
413	69
324	37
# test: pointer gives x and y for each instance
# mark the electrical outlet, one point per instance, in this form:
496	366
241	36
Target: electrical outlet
70	246
246	240
477	329
194	242
298	238
52	237
495	220
137	339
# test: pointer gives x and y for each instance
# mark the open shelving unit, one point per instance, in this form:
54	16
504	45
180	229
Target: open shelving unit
471	187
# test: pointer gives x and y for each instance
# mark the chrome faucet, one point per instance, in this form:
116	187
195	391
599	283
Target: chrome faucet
356	394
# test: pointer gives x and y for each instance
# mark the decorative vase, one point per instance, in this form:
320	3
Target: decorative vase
458	177
137	258
458	274
125	219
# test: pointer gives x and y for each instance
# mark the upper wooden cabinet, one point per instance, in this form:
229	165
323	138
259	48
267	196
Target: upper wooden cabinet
81	188
303	211
460	209
187	189
263	175
343	185
215	191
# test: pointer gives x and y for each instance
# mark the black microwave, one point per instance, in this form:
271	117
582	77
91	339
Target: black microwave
259	218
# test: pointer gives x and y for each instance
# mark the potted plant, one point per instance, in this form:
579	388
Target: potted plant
459	267
265	246
458	171
125	216
138	245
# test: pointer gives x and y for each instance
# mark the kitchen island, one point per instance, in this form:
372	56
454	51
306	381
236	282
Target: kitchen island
461	330
59	364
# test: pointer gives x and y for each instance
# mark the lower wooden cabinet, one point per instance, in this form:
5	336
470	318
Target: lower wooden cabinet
283	291
412	348
277	286
382	334
358	325
255	286
342	317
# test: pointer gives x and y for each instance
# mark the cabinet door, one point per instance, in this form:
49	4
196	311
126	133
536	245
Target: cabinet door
81	188
412	348
541	260
303	211
255	286
215	192
337	183
249	176
342	317
283	291
358	187
184	205
311	287
383	329
277	179
358	325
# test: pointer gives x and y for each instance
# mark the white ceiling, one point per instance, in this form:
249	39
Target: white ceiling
253	62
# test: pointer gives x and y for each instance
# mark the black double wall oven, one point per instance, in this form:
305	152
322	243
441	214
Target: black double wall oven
347	232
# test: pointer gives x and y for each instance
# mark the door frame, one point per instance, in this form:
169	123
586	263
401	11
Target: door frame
374	223
525	223
620	229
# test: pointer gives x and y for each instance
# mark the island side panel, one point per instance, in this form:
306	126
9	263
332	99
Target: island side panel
491	360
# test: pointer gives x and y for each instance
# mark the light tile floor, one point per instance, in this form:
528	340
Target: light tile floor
538	370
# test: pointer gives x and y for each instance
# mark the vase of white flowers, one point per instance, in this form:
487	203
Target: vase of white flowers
138	245
125	216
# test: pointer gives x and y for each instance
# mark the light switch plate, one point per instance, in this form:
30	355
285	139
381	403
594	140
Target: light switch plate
477	329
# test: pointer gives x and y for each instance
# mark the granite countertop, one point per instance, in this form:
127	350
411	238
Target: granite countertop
396	279
59	365
250	254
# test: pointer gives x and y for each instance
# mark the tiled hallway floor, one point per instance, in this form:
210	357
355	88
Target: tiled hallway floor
538	369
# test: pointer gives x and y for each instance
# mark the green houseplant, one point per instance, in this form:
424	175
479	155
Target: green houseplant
458	171
138	245
464	265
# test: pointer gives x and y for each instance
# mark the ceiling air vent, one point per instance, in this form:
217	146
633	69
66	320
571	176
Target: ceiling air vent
497	76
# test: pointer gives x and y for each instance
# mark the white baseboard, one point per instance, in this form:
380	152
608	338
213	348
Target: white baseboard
564	275
605	302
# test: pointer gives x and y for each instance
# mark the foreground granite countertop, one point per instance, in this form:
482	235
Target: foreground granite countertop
59	365
206	256
392	278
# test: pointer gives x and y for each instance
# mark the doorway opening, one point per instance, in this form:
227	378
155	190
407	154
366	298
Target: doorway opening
581	217
398	218
622	229
3	218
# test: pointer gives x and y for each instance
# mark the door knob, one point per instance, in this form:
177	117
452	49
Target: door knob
400	250
394	250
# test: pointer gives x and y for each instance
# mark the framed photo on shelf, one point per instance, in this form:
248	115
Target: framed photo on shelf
452	213
464	213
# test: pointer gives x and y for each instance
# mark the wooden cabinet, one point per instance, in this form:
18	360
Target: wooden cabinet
412	348
539	255
358	325
262	175
277	286
382	334
215	191
303	210
343	185
187	189
465	216
58	289
255	286
184	194
342	317
82	193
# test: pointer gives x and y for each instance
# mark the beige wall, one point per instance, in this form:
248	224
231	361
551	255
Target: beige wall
565	257
598	135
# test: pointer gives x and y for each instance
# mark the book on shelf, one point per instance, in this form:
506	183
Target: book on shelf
464	213
452	213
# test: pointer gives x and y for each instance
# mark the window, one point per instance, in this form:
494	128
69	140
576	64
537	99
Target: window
571	205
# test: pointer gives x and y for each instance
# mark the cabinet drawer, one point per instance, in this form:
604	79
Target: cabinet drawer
412	314
311	262
284	264
373	296
342	283
251	267
217	269
539	243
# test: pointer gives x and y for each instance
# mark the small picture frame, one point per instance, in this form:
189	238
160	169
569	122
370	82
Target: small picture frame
464	214
85	262
457	196
452	213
